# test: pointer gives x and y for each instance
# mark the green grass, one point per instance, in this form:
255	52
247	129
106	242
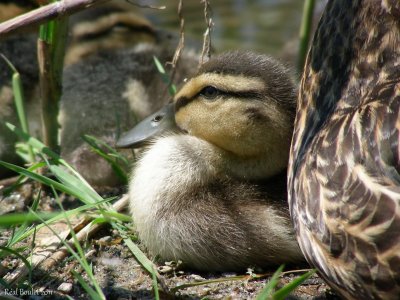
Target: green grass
305	33
68	181
26	153
269	293
118	162
165	77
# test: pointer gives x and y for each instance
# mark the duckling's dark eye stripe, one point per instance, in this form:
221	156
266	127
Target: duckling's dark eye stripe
183	101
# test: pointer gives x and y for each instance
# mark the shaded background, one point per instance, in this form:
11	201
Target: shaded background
267	26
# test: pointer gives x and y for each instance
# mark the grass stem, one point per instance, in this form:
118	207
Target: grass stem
305	32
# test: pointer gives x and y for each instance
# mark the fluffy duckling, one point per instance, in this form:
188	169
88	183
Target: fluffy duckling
106	94
211	191
109	82
10	9
110	26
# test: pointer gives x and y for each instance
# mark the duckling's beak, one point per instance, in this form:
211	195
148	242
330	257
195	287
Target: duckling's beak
154	125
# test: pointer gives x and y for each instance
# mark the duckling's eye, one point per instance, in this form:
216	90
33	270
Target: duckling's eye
209	92
120	27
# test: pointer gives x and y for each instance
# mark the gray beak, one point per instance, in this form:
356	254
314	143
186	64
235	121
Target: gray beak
153	126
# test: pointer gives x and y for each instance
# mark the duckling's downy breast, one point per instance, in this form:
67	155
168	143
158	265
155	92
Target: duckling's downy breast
185	207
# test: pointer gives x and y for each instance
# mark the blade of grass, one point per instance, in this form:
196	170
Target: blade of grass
24	226
21	257
155	285
23	218
43	149
113	152
219	280
267	290
79	256
305	32
290	287
92	293
21	179
82	258
19	103
164	76
118	170
58	217
146	263
45	180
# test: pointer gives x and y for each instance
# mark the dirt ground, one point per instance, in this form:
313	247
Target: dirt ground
120	275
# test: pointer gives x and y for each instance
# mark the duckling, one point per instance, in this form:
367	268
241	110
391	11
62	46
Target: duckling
344	181
113	25
103	96
10	9
211	190
109	63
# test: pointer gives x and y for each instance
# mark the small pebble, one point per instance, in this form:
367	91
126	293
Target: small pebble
91	253
196	277
65	287
165	269
105	239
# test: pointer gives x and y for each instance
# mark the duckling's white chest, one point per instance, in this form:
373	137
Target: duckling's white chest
170	168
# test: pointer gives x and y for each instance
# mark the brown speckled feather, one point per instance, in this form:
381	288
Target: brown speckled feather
344	182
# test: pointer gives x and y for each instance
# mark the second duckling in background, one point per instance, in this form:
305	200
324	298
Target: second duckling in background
211	191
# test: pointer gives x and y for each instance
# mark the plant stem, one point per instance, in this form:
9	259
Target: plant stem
305	32
51	49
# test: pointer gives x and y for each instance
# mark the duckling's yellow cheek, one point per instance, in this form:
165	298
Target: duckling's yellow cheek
225	124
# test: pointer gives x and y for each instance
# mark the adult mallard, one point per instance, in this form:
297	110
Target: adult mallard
344	182
212	192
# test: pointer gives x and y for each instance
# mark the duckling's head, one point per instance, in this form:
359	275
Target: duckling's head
241	102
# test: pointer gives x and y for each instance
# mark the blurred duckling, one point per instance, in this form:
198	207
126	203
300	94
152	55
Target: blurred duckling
10	9
113	25
110	82
211	191
105	95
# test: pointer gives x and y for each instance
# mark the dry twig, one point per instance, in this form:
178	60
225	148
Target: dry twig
181	43
146	5
45	13
206	52
179	47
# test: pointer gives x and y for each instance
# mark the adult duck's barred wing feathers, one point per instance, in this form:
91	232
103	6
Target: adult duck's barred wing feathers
344	182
